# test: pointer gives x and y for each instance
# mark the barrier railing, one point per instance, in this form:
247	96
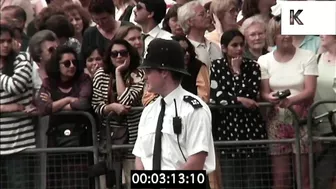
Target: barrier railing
110	151
296	140
43	151
311	138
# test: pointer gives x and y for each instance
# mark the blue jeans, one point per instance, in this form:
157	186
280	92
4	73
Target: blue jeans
246	173
17	172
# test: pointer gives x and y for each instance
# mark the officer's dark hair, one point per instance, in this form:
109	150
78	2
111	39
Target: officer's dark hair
159	8
177	76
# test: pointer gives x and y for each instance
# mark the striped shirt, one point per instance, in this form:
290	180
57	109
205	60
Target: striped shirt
17	133
131	96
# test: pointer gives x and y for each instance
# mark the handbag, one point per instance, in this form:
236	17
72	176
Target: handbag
119	135
68	135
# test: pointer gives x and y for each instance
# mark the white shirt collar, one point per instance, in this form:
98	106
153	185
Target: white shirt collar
154	32
198	44
172	95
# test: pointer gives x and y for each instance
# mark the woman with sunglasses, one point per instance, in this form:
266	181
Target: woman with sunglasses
66	87
116	88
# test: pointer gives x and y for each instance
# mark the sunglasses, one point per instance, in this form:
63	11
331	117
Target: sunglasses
6	40
68	63
51	49
122	53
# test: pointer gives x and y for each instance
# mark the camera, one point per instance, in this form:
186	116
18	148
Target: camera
282	94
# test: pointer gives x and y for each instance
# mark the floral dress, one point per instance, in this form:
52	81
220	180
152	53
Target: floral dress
288	75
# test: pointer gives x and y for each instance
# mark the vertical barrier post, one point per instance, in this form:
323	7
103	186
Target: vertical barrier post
310	147
116	166
43	123
298	147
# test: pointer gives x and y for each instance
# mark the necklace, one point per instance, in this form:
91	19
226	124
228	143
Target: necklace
330	58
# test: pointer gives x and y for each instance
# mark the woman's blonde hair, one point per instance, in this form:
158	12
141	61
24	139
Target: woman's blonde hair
124	30
220	7
274	25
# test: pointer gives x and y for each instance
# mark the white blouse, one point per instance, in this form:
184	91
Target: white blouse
325	90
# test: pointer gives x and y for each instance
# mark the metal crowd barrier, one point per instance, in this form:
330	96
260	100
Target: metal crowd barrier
296	140
312	139
43	150
110	151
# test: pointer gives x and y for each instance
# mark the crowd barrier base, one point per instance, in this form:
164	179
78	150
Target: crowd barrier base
61	169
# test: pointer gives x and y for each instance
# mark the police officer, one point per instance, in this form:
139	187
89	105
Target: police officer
175	130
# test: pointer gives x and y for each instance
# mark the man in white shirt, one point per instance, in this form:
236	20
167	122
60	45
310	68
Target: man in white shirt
180	136
149	14
169	4
194	21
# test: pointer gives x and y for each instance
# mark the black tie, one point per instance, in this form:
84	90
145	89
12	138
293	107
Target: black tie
144	36
158	136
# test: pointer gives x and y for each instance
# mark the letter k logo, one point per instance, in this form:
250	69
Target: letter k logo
295	17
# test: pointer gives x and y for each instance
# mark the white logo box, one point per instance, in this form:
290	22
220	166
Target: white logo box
318	17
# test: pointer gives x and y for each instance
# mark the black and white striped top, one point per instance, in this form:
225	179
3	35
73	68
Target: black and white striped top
131	96
17	133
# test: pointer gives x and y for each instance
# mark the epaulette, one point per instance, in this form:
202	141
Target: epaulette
192	101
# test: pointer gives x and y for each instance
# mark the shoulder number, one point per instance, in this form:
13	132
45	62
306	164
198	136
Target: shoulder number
192	101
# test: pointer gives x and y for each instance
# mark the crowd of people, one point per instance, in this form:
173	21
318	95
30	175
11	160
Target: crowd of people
86	55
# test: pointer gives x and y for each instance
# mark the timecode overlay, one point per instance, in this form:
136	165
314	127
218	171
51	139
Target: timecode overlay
168	179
